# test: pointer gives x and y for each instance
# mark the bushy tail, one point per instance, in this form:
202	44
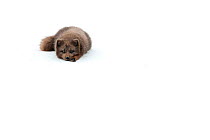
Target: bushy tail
47	44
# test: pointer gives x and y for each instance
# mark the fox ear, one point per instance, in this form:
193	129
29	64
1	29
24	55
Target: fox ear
76	42
59	43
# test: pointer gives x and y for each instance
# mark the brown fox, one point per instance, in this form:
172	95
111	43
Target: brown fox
70	43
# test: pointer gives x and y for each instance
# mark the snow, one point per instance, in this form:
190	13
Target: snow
146	76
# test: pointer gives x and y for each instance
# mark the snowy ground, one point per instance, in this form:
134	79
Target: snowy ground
147	76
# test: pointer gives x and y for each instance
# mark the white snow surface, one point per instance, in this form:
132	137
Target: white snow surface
147	76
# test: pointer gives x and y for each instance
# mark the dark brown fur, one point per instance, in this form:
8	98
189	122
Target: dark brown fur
70	43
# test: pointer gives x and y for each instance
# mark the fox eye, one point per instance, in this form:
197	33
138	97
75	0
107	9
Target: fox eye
63	51
71	51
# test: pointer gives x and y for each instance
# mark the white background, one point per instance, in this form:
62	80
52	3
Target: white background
147	76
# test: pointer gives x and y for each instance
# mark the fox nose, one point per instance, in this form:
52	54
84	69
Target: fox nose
67	58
